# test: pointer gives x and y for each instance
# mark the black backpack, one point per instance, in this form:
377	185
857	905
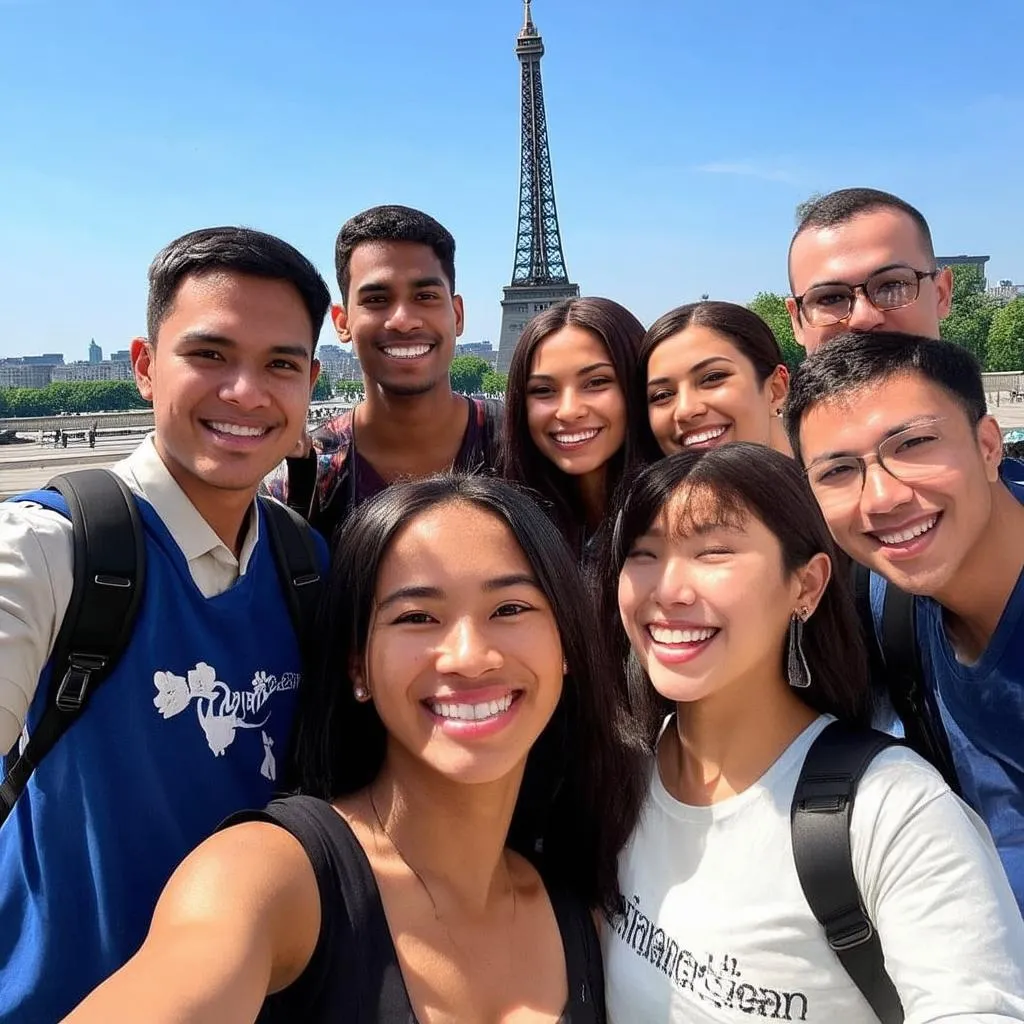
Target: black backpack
820	823
894	661
109	581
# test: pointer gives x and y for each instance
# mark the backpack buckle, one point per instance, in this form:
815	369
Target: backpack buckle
75	684
854	932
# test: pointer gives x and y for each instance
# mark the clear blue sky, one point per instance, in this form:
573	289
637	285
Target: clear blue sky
682	134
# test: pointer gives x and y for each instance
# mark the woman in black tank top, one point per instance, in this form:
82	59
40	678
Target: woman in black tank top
466	779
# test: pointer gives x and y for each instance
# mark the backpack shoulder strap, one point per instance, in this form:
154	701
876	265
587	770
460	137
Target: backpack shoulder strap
820	822
494	421
899	633
298	565
109	576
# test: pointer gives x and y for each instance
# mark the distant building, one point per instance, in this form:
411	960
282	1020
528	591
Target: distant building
965	261
339	363
106	370
24	375
1006	291
481	349
121	356
95	352
46	359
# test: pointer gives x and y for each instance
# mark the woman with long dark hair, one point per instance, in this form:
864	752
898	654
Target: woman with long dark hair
568	403
468	785
747	644
709	373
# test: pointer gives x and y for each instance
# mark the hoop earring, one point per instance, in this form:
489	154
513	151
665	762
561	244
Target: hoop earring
798	671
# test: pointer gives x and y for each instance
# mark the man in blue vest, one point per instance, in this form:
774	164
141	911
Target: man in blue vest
904	460
193	722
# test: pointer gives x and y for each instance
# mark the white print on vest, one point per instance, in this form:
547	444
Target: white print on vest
220	710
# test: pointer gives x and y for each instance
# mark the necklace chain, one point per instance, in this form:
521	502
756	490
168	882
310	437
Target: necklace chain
419	878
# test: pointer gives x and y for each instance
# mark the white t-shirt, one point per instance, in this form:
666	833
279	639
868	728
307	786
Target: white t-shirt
717	927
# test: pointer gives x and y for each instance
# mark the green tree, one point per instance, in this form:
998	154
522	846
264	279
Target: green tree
1006	337
5	406
493	383
771	308
970	314
322	388
467	373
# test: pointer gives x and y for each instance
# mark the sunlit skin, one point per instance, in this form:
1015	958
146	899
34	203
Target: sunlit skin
702	391
707	610
235	353
576	410
402	319
972	526
851	252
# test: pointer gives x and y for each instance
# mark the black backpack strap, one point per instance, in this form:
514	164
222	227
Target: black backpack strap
109	577
494	424
820	821
298	566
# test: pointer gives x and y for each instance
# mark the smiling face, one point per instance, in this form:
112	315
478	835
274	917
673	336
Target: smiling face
401	316
917	533
230	377
707	606
464	660
702	391
849	253
575	408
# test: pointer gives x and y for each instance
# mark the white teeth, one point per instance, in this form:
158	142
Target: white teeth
238	430
583	435
909	534
406	351
705	435
472	712
664	635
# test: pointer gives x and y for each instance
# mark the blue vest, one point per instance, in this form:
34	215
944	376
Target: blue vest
190	727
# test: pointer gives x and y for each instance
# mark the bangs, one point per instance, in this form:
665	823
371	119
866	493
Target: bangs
699	507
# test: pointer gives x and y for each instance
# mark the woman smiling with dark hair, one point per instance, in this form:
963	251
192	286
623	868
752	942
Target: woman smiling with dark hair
567	408
468	782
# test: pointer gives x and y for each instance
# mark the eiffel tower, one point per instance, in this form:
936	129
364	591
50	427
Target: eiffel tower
539	278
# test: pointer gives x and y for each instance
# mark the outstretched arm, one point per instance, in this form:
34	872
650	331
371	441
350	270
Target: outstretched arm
238	921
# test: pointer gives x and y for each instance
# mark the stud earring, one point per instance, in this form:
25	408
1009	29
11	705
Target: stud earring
798	671
361	693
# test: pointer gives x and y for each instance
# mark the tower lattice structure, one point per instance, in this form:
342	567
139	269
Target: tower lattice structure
539	277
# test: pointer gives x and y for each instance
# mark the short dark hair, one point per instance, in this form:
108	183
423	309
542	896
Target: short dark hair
239	251
846	203
585	776
744	479
620	333
392	224
743	327
852	361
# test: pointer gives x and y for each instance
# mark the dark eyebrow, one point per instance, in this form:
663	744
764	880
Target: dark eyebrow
218	340
914	421
696	368
377	287
846	284
581	372
436	593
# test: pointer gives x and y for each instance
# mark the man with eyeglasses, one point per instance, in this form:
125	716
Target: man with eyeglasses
862	260
904	460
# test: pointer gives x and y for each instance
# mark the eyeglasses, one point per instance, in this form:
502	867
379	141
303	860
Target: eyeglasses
912	456
891	288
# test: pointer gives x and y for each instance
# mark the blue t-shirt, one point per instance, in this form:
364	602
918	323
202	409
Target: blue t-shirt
982	710
190	727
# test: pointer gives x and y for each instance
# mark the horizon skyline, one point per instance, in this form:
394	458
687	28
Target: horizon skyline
681	142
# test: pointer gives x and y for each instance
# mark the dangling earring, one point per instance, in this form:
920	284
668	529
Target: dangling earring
361	693
796	663
565	667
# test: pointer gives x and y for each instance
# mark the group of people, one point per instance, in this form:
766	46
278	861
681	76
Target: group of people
539	756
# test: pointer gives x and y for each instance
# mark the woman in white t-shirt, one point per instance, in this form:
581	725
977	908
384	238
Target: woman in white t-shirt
743	634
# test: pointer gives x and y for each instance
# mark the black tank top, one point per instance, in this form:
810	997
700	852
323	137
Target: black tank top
353	975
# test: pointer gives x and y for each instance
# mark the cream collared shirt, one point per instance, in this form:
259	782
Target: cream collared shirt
36	574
